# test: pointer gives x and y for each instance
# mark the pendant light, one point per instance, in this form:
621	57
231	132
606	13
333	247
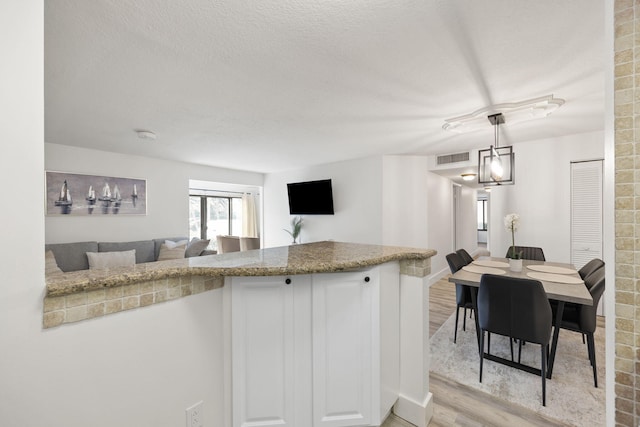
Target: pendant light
496	164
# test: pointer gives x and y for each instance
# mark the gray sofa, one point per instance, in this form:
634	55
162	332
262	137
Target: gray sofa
73	257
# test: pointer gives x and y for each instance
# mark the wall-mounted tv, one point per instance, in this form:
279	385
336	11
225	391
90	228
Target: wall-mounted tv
310	198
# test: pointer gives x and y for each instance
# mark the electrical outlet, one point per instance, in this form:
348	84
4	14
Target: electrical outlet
195	415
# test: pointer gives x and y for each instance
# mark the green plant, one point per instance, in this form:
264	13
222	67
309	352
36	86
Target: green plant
296	227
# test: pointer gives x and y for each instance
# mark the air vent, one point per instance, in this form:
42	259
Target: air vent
453	158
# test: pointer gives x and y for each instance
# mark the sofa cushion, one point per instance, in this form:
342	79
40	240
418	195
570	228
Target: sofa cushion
176	252
145	251
195	247
102	260
72	256
157	243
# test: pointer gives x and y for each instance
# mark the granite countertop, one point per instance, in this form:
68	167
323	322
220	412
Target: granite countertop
319	257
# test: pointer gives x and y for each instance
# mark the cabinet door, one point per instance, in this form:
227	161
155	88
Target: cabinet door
343	348
262	345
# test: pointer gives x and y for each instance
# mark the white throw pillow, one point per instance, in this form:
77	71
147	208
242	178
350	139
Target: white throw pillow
171	244
176	252
102	260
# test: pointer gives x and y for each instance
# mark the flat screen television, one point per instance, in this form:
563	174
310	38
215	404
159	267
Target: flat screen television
310	198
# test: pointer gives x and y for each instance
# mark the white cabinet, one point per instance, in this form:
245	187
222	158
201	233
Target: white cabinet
344	348
320	351
262	348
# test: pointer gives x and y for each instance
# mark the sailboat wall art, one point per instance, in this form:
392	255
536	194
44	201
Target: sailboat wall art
80	195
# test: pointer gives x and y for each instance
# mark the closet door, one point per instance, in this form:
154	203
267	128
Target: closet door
586	212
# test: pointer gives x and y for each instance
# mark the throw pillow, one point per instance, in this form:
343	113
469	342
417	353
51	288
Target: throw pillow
102	260
195	247
167	252
50	264
171	244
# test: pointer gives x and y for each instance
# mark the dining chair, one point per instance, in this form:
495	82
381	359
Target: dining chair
463	293
582	318
228	244
468	259
590	267
249	243
527	252
515	308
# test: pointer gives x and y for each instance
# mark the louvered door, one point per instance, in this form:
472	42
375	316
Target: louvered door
586	212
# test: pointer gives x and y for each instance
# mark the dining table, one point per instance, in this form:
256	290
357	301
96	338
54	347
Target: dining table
561	282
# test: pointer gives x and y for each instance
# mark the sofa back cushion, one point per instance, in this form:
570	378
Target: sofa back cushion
72	256
145	250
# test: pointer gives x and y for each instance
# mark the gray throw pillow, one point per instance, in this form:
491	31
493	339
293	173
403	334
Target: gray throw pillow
196	247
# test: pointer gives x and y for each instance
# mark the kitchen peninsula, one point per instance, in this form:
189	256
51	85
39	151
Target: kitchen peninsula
322	334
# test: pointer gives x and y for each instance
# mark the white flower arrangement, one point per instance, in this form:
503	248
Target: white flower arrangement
511	222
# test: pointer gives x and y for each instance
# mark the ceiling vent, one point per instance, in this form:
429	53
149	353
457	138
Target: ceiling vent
453	158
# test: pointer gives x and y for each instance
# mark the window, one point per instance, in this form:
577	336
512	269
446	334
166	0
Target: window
482	215
210	216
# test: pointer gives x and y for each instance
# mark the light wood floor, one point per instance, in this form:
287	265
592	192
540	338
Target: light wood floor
459	405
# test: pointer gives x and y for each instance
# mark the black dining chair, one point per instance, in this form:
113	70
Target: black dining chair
515	308
582	318
527	252
590	267
463	293
468	259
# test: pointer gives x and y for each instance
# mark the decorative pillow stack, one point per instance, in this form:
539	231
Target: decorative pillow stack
172	250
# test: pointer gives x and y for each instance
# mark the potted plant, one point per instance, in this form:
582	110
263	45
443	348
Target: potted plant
296	227
511	222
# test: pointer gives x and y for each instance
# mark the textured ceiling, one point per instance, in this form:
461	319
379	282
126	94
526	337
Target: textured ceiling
270	85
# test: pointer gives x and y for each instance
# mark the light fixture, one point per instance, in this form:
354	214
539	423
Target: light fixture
487	189
496	164
468	176
513	112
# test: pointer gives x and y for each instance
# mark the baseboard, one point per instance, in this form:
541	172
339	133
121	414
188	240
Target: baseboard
416	413
433	278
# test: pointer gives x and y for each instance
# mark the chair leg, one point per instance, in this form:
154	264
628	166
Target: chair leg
455	331
592	355
543	372
488	342
511	345
481	351
464	320
519	350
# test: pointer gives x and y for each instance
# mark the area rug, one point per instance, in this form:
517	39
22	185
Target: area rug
571	396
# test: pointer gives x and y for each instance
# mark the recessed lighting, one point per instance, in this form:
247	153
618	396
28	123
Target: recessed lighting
146	134
468	176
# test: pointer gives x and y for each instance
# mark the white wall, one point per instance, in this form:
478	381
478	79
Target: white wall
440	220
541	194
167	194
405	201
468	227
357	201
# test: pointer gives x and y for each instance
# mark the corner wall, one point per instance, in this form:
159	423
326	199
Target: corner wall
627	212
541	194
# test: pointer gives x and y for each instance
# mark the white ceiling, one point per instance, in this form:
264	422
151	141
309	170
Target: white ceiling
270	85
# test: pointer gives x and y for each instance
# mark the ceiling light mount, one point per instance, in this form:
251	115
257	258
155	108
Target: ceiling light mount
146	134
513	112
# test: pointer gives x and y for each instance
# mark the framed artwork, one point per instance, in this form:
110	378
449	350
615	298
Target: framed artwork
76	194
